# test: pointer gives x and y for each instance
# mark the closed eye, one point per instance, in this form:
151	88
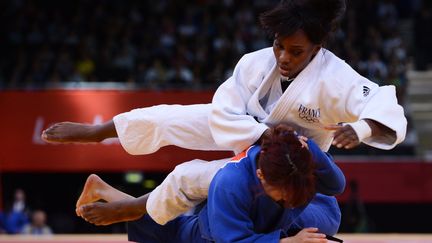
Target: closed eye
296	53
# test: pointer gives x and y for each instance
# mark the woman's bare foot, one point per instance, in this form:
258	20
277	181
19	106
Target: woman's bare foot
92	192
70	132
119	206
100	213
96	189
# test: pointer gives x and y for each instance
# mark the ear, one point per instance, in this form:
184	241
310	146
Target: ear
259	174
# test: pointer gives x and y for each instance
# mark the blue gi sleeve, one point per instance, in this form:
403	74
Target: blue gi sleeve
331	180
229	205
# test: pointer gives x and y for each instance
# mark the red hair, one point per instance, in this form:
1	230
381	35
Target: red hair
288	165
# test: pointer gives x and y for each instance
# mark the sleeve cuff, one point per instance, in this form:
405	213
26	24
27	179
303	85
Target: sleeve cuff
361	128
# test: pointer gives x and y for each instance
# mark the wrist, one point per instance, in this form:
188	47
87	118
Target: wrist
361	128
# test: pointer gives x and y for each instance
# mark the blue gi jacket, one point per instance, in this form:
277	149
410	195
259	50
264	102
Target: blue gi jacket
238	210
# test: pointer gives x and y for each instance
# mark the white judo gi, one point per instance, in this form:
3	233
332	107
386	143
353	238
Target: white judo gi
328	91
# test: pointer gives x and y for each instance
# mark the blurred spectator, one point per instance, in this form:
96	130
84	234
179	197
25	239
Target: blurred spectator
181	44
354	215
397	76
154	76
38	224
16	216
19	202
2	226
423	36
375	68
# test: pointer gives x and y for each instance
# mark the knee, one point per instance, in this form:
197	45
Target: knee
187	172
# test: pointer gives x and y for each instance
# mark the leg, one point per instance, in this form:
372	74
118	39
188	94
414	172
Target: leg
99	213
69	132
146	130
181	229
183	189
96	189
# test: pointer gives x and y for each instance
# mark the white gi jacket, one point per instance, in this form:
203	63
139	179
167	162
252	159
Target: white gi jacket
327	91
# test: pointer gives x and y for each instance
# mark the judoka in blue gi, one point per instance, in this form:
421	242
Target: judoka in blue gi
259	196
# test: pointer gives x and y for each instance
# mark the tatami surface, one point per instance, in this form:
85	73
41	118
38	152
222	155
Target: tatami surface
348	238
386	238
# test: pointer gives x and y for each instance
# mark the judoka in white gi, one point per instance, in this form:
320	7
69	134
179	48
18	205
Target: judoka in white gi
324	91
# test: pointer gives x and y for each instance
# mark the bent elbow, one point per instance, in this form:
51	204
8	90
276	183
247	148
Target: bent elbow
332	189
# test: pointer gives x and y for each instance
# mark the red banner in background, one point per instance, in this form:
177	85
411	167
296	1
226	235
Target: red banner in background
26	114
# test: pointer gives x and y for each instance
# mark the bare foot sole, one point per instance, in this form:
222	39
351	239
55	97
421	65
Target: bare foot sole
91	192
109	213
69	132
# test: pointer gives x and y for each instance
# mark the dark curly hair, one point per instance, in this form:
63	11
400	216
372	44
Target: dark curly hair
288	165
317	18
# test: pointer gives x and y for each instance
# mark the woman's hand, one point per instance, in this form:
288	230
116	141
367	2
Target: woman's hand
344	136
306	235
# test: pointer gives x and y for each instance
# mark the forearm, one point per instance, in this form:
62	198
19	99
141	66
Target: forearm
379	129
331	180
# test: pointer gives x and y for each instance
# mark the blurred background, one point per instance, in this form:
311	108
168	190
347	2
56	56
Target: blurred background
87	61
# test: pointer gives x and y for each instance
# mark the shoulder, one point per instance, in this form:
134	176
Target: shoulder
261	59
233	174
336	74
337	69
239	172
265	52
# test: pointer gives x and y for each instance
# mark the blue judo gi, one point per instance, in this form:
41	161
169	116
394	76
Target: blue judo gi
238	210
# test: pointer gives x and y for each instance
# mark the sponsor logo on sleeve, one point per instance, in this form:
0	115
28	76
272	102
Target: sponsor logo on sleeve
366	91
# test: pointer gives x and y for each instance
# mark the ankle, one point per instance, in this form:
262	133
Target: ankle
103	131
95	133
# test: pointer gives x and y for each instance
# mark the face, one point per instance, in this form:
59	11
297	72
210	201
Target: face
19	195
277	194
293	53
